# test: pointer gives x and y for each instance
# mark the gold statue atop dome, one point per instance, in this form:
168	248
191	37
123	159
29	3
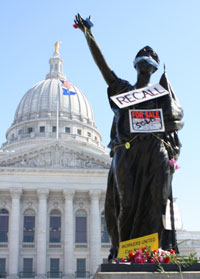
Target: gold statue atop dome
57	45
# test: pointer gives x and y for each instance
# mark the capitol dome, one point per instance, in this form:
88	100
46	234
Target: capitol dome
54	108
41	101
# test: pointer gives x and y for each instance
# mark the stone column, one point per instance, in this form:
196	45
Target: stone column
95	231
14	232
68	234
42	233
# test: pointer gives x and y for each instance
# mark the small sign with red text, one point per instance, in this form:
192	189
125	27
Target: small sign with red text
146	121
139	95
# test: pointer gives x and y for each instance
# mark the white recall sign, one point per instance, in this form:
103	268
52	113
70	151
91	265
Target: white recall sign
167	217
146	121
137	96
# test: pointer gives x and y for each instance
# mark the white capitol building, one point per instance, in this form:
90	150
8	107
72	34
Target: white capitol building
53	176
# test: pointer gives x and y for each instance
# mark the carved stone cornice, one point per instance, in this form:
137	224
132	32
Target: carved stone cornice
68	194
43	193
95	194
15	193
56	156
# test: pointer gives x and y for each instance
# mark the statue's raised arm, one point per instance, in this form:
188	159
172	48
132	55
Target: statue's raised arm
85	27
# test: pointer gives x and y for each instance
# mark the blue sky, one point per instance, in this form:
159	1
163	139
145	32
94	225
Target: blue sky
30	28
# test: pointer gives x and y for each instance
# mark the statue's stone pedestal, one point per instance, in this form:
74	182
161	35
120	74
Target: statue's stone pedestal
146	271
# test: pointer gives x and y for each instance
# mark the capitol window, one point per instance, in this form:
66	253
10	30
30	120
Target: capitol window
4	218
27	268
54	129
55	226
29	225
104	233
30	130
54	269
81	226
81	268
20	132
89	134
2	268
42	129
67	130
79	132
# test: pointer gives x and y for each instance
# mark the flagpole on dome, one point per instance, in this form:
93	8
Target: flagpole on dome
57	115
56	66
56	54
65	86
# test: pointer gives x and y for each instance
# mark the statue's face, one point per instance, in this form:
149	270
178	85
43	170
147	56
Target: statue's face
144	67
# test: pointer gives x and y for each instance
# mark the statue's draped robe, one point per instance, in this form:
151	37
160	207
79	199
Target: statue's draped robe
139	181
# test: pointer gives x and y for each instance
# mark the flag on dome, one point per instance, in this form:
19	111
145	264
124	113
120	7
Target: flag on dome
67	88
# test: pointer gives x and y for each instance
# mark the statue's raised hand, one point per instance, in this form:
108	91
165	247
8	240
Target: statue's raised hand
83	24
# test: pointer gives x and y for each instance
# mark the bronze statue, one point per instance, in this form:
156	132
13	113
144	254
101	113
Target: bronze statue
139	181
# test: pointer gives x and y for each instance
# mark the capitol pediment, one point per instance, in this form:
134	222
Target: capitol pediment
56	156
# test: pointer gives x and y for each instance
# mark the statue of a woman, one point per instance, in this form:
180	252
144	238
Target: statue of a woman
139	181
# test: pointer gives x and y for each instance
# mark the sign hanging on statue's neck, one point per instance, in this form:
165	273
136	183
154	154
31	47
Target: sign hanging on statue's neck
137	96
